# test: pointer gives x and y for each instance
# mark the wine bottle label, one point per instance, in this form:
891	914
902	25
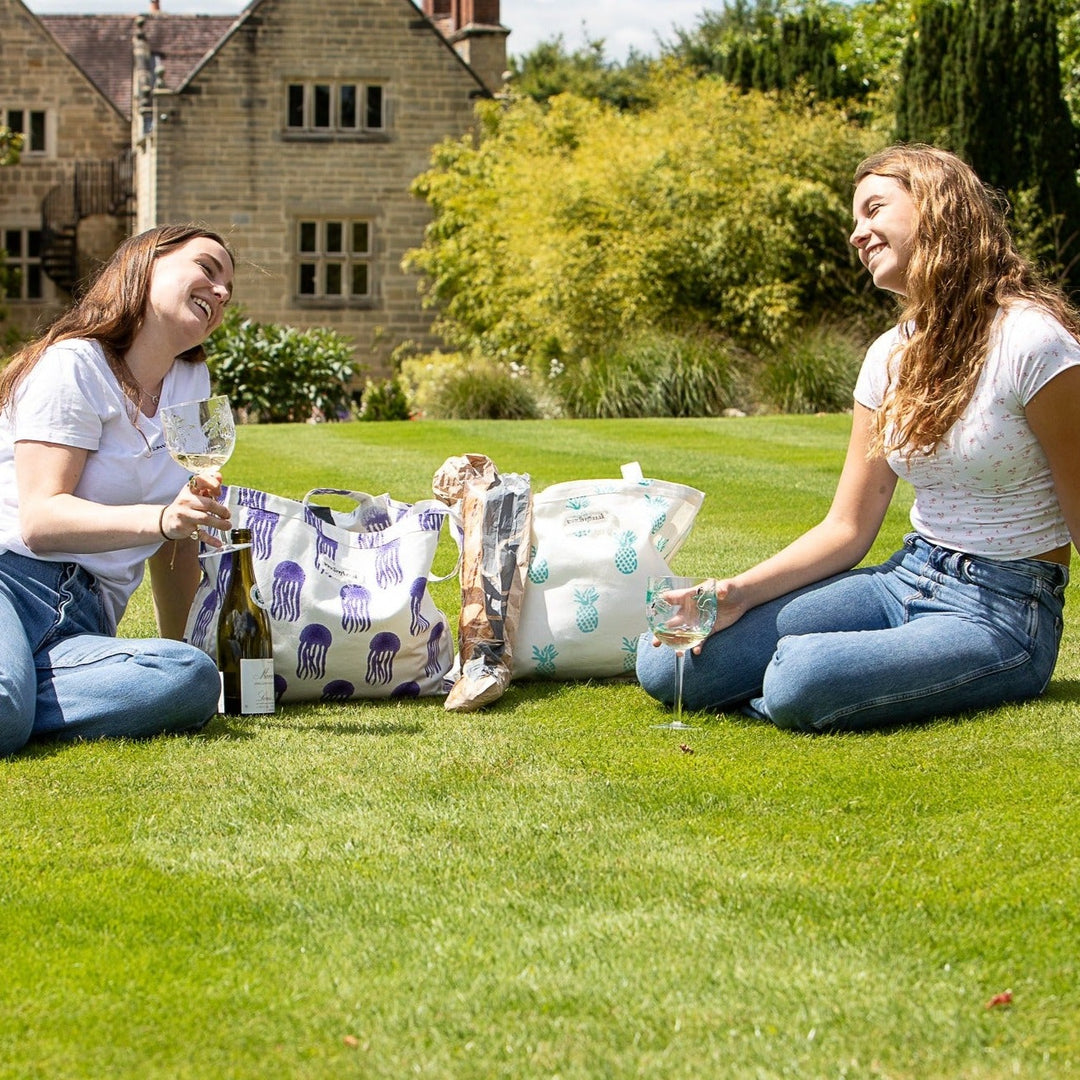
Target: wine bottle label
257	599
257	686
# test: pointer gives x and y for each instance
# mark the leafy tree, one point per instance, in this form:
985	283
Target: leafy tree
549	70
983	78
10	147
774	45
1069	44
568	228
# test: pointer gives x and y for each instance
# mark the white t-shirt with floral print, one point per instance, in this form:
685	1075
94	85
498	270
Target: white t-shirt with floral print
987	489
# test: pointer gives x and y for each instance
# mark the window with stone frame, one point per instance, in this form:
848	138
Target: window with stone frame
32	125
23	277
335	108
333	259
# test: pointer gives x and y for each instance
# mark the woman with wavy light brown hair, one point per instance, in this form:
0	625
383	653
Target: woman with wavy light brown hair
974	399
89	496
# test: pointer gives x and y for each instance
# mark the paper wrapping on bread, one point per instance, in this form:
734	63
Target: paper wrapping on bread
495	515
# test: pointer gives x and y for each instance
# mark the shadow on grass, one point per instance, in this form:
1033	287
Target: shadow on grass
1063	690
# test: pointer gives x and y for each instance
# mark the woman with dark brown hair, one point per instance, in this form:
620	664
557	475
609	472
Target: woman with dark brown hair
974	399
89	496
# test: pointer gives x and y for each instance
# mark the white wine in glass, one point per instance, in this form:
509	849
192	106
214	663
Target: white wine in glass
200	436
680	612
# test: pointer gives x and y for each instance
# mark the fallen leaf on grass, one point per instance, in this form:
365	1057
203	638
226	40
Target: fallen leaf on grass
686	749
1004	998
352	1040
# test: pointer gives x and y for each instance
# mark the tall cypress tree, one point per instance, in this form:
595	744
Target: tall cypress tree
983	78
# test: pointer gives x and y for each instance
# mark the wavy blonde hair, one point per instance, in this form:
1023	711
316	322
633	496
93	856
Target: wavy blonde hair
963	267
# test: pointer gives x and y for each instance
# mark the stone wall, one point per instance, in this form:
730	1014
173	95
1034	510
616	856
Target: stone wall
224	156
81	126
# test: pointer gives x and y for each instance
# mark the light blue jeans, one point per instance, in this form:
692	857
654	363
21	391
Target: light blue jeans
62	674
928	633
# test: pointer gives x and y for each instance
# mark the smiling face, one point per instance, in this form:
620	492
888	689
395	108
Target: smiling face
884	215
189	288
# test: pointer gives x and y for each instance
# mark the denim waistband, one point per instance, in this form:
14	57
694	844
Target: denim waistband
979	569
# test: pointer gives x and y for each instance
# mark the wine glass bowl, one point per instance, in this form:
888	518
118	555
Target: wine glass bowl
200	436
680	612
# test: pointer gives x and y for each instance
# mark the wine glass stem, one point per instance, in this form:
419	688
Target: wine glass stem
678	685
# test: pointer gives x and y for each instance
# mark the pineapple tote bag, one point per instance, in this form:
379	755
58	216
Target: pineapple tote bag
594	545
351	614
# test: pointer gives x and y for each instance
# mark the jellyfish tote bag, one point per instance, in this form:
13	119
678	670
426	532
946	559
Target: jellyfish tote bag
351	614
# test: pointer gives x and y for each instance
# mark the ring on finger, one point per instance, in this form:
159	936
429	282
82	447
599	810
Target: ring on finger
194	534
192	486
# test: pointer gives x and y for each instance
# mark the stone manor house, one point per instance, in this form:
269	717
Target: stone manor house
294	129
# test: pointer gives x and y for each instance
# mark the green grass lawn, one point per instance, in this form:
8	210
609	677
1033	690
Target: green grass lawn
550	888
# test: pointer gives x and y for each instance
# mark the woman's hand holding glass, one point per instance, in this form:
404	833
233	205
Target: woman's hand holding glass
196	513
200	435
680	612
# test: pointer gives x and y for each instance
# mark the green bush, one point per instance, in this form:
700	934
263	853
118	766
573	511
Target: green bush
455	386
653	374
814	372
280	374
384	399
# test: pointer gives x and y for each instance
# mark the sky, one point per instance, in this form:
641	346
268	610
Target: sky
623	24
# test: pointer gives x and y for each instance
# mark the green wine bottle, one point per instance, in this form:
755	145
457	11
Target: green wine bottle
244	646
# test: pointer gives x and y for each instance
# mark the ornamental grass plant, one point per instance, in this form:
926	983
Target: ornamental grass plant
549	887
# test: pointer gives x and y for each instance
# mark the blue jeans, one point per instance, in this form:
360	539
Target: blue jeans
62	673
929	632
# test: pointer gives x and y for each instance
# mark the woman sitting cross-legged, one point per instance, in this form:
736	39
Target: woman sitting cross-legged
974	398
89	494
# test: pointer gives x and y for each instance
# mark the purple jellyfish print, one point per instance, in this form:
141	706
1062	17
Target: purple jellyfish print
338	690
285	597
262	523
355	608
418	623
250	497
280	686
325	546
374	518
205	619
406	689
431	520
388	565
208	613
311	653
434	661
381	652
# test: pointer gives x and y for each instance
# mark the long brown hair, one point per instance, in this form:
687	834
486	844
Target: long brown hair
963	267
112	309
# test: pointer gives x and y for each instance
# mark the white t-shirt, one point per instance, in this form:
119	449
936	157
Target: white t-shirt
71	397
987	489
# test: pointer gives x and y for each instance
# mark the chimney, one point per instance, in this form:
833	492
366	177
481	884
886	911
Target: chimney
476	34
155	7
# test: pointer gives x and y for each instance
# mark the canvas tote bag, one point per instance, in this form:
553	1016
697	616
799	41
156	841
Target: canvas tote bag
594	545
347	592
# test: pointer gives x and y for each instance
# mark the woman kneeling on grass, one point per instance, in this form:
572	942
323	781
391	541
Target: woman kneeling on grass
974	398
88	494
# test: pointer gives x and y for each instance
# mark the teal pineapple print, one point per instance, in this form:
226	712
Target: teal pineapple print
625	556
659	506
544	659
629	653
586	616
538	568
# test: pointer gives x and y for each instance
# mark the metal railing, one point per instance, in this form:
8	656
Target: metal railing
95	187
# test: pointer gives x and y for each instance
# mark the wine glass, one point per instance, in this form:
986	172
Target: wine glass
680	612
200	436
